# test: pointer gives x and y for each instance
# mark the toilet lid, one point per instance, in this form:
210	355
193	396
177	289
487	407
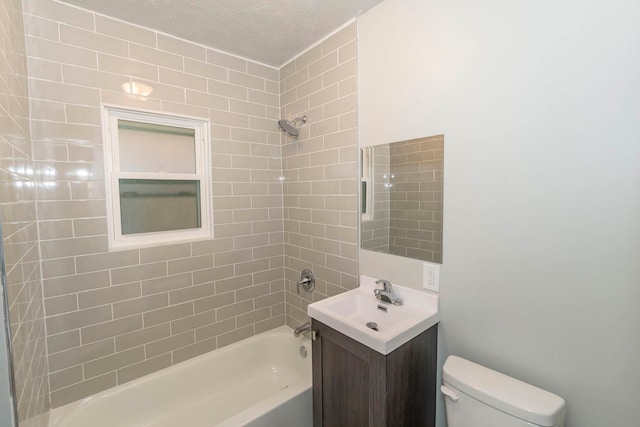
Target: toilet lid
508	394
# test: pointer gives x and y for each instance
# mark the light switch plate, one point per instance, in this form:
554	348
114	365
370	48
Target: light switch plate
431	277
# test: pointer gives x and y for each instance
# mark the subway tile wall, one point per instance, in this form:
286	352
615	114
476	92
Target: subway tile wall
114	316
19	224
375	230
320	171
415	228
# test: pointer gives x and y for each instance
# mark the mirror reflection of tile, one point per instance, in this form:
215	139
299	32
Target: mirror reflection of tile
402	187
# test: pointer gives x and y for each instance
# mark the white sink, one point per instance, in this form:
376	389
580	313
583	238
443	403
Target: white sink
350	312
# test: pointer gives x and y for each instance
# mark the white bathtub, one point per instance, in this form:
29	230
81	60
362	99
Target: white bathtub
260	382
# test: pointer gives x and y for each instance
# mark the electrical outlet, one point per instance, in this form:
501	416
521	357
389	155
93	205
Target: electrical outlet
431	277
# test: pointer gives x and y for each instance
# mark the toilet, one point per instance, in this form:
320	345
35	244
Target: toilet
476	396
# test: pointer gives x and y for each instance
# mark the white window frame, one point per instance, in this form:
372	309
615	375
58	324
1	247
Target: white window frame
366	175
117	241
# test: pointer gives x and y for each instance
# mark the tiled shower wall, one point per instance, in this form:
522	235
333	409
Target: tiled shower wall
375	230
19	225
415	228
115	316
320	171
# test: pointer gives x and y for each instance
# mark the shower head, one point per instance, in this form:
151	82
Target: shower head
290	126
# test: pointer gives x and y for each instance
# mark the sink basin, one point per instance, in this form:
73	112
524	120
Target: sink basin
350	312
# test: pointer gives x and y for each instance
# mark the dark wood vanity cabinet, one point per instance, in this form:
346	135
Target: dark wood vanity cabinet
354	385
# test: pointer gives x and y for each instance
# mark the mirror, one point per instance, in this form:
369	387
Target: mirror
401	198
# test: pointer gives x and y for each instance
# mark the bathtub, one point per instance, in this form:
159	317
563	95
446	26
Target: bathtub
262	381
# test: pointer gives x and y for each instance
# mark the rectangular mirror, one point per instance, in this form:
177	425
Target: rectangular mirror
401	198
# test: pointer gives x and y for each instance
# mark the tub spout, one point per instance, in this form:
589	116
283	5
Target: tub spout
300	329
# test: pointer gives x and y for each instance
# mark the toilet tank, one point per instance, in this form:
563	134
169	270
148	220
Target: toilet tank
476	396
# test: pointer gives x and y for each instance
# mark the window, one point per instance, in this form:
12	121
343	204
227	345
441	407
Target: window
366	183
157	178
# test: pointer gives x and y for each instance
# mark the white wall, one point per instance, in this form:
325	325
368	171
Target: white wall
540	106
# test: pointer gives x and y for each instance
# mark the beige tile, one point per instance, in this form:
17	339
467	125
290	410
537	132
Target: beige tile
226	61
296	79
340	106
205	70
163	253
46	70
128	67
63	341
190	264
220	88
194	350
234	310
52	91
248	108
308	57
88	190
77	355
60	12
250	319
86	388
215	329
90	40
83	114
235	336
143	336
107	261
71	284
260	97
246	80
138	272
167	314
164	284
53	111
190	323
252	292
148	366
269	324
233	283
110	329
340	139
65	378
58	267
113	362
61	304
207	100
68	131
181	47
41	28
155	56
342	37
77	319
108	295
263	71
132	33
212	274
191	293
169	344
185	80
347	51
140	305
60	53
323	64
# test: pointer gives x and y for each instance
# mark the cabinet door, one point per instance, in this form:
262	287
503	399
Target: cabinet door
349	383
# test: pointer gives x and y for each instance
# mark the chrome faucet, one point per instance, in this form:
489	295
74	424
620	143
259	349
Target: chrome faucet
386	294
300	329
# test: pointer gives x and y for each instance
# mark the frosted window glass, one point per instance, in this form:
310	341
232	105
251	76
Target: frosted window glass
151	205
172	148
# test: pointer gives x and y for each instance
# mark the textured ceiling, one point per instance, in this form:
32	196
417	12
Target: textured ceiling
267	31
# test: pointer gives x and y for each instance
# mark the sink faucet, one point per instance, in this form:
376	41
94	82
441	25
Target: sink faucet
386	294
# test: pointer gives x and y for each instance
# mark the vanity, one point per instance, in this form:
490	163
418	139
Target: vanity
374	363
